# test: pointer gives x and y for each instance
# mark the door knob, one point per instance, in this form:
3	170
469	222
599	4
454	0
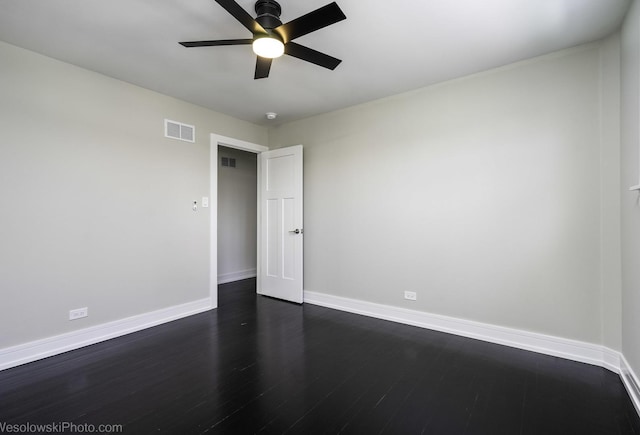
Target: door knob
296	231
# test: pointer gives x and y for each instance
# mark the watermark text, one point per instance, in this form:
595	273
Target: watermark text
60	427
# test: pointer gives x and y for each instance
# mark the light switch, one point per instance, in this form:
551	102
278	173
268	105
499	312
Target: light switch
205	201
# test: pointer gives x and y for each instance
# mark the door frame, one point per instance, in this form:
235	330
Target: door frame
229	142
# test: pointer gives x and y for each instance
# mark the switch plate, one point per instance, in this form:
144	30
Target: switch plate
79	313
205	201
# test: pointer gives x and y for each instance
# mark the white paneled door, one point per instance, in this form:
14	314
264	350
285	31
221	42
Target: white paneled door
281	232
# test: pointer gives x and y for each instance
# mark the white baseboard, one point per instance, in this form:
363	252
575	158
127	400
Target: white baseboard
236	276
35	350
546	344
631	383
561	347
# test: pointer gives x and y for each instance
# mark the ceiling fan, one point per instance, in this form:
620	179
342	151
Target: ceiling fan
272	39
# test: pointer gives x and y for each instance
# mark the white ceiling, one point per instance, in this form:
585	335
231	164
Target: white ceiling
387	47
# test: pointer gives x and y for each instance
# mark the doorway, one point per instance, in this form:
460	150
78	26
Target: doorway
237	214
279	263
235	144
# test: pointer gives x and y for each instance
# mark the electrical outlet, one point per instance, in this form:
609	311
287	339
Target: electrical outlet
79	313
410	296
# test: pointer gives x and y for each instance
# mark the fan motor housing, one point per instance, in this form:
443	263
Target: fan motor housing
268	13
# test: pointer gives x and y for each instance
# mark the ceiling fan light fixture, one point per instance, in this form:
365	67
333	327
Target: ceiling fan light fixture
268	47
272	39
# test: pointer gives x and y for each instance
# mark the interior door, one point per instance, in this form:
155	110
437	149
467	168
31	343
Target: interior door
280	219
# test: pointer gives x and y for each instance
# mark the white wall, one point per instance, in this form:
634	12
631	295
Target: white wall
631	176
237	211
96	203
610	255
484	195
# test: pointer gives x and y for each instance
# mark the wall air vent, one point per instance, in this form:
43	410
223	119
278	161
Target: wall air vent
228	161
180	131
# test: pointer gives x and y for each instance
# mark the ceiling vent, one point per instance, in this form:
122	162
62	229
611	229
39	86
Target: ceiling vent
180	131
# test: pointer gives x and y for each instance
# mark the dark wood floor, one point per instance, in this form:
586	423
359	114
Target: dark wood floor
258	365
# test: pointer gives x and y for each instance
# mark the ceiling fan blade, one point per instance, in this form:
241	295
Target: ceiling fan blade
310	22
241	15
311	55
263	65
216	43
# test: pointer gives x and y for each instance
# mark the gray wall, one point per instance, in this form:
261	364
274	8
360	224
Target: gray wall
488	196
631	176
237	211
96	203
